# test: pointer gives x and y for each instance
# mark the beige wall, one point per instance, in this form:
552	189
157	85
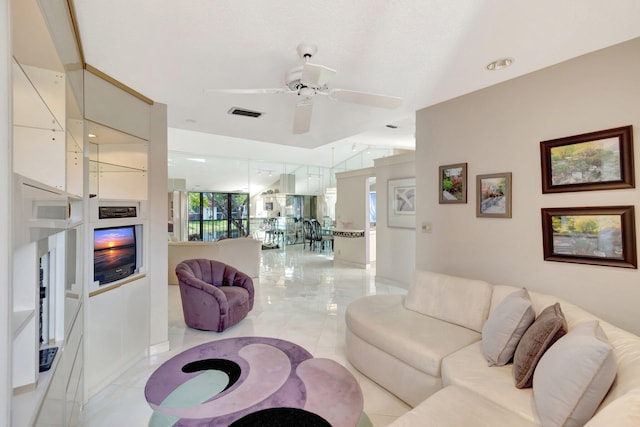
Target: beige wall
396	247
352	213
498	129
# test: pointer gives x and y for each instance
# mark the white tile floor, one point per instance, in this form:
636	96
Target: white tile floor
301	296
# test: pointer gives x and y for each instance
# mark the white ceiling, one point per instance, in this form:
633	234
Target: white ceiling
425	51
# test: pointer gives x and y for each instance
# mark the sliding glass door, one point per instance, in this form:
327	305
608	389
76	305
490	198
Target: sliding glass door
215	216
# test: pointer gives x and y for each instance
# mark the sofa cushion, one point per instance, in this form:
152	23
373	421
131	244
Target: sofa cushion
623	412
467	368
417	340
548	327
504	327
441	296
573	376
456	406
406	382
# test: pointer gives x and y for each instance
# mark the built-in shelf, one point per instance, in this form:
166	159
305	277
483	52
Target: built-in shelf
20	319
102	167
53	224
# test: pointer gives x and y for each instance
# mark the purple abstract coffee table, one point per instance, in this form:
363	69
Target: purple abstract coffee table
253	381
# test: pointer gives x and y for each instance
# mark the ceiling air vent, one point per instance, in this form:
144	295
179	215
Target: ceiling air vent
244	112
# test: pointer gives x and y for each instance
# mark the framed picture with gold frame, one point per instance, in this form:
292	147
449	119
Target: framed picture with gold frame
453	183
493	195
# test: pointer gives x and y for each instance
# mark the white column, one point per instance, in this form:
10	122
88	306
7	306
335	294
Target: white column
158	252
5	217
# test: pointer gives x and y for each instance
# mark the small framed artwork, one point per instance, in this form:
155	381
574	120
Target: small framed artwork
493	195
453	183
268	206
590	235
402	203
600	160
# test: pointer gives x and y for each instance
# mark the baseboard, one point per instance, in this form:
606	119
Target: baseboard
351	264
387	281
159	348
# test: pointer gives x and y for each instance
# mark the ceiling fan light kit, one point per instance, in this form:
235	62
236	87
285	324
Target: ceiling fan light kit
308	80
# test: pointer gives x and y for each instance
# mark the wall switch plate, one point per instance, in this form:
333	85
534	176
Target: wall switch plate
426	227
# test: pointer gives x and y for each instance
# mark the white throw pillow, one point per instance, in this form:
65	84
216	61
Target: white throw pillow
505	326
573	376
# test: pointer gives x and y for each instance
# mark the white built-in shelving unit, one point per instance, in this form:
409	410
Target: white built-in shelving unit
80	141
47	237
48	218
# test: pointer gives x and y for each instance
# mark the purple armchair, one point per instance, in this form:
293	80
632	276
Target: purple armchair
215	295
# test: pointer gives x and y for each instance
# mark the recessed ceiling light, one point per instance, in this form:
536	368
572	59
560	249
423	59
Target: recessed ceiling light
190	121
91	135
198	160
499	64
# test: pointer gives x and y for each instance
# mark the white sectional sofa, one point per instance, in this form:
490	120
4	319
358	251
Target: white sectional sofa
427	348
242	253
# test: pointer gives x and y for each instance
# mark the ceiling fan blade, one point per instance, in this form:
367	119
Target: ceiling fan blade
372	99
248	91
302	117
316	75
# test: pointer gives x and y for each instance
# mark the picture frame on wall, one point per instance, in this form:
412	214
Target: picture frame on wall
453	183
493	195
402	203
590	235
601	160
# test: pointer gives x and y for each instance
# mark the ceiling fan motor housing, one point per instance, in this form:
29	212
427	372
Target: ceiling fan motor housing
293	78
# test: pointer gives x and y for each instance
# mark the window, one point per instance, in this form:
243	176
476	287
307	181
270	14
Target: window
215	216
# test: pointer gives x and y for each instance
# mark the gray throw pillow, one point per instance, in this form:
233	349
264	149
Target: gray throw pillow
505	326
574	376
548	327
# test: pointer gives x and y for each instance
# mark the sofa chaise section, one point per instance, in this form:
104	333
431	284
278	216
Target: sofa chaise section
400	342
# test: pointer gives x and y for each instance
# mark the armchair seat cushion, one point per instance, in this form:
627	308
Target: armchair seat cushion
238	298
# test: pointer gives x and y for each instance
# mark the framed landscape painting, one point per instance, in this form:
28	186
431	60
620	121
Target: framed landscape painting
402	203
600	160
453	183
590	235
493	195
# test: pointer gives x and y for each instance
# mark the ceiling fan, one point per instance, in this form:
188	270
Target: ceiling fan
308	80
